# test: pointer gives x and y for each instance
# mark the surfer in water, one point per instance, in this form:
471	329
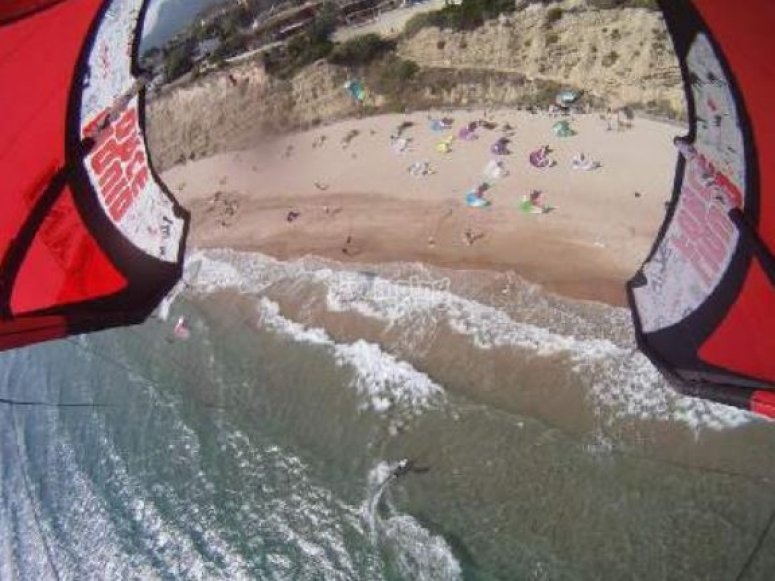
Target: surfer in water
405	466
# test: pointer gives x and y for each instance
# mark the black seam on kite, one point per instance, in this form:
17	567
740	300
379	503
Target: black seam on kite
25	403
21	243
761	250
756	548
30	12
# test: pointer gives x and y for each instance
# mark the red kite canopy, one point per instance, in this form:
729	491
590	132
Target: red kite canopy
704	301
89	236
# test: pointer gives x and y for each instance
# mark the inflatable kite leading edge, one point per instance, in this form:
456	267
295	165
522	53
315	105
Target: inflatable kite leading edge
704	300
89	236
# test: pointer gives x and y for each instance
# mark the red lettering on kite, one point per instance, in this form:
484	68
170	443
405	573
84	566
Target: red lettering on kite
119	161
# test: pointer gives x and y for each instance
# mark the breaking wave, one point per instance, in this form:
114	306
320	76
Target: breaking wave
613	373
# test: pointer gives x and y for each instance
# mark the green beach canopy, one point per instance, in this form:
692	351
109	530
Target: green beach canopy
562	129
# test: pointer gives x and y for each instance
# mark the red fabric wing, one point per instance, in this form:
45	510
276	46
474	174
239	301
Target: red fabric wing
745	341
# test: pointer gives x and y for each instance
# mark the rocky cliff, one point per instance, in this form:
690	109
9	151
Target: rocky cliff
617	56
623	56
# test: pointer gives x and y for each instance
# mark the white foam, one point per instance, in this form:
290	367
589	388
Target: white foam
619	380
380	378
420	554
291	514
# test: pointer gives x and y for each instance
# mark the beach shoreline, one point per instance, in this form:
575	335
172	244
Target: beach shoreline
344	192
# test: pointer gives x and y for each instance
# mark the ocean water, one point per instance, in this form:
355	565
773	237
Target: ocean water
544	446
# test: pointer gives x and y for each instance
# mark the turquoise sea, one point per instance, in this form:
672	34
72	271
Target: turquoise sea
544	446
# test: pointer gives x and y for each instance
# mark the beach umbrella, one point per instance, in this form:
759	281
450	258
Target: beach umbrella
500	147
356	90
540	158
566	98
467	132
563	129
445	145
703	303
89	236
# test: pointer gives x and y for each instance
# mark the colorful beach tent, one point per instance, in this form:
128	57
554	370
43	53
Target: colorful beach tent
468	132
563	129
356	90
89	237
475	198
540	158
704	301
445	145
566	98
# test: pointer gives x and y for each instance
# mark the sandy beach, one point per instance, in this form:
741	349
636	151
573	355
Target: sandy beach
344	191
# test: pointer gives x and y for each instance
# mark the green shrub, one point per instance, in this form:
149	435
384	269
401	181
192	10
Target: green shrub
419	21
553	15
393	75
324	24
360	50
552	38
608	4
305	48
300	52
610	59
468	15
178	61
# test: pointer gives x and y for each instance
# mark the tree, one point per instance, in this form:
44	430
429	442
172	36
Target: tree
178	61
324	24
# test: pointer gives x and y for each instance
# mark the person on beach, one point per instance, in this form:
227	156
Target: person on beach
470	237
535	199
